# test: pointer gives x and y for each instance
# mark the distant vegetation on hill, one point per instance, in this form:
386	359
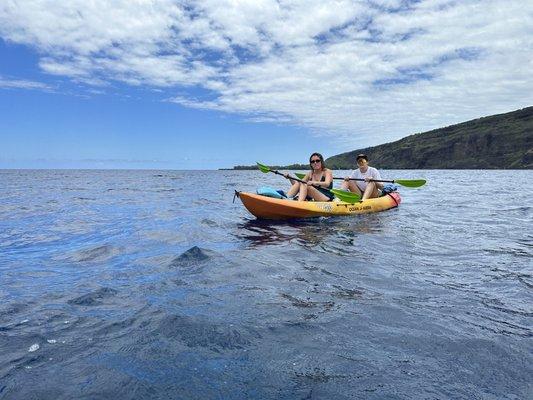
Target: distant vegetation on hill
503	141
292	166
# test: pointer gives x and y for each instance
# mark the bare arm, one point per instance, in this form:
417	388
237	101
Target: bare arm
328	180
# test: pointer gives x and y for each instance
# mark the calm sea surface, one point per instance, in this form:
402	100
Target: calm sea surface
153	284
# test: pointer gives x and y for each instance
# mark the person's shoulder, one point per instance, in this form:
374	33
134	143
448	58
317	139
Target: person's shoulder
375	172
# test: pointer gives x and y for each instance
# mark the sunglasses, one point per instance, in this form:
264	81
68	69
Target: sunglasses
315	161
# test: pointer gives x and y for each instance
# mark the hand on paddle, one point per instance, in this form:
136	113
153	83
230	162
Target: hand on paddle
366	179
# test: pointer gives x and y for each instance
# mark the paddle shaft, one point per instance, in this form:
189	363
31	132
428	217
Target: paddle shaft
410	183
362	180
353	198
296	179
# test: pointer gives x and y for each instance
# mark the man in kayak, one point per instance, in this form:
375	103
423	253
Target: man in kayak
367	188
319	179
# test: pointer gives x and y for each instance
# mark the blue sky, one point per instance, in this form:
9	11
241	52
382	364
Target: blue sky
210	84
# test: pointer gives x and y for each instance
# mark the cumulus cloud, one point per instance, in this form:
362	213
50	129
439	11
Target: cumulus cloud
365	72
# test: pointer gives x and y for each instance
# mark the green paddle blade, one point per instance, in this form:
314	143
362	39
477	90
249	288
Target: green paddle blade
411	183
263	168
347	197
299	175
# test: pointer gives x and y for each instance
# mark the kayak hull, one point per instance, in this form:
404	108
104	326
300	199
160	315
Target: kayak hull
264	207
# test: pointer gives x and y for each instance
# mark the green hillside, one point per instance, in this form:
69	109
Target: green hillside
503	141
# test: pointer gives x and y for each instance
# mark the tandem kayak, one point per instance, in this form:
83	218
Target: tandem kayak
264	207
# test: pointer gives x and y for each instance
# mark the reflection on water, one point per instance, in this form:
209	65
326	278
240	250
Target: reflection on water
310	232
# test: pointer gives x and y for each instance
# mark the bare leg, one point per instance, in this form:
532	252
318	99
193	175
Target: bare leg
352	187
294	189
316	194
371	191
345	185
303	192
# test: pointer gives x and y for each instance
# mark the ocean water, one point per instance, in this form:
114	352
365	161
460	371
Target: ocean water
154	284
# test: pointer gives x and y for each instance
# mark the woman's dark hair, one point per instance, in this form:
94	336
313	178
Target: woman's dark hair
322	163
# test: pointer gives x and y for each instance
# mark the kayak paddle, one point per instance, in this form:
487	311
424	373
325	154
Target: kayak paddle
347	197
266	170
410	183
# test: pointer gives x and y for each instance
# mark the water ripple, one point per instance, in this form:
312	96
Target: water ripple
147	284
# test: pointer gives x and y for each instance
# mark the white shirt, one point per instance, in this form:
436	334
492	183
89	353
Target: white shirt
371	172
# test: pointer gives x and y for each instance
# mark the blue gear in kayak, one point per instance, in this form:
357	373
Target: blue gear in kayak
389	188
270	192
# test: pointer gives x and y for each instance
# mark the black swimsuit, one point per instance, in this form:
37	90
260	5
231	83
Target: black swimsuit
325	191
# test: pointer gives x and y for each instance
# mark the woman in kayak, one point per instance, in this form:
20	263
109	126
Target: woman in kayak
318	180
368	188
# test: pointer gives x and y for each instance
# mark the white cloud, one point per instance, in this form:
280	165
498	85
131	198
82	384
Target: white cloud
365	72
23	84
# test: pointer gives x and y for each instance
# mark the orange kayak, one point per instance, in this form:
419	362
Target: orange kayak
264	207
